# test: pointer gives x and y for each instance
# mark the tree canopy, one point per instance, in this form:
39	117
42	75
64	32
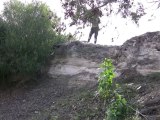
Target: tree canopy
82	11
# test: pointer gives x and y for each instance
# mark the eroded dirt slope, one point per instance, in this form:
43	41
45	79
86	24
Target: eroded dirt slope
66	91
66	77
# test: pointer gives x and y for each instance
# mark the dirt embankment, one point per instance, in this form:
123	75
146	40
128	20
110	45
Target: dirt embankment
67	91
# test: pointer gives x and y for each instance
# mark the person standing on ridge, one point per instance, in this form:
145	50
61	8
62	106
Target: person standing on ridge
94	29
94	20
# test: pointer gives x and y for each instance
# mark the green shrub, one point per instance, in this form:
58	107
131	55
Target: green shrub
118	110
106	86
28	33
4	68
110	92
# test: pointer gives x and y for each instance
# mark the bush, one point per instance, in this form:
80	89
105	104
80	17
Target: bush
106	85
4	67
27	32
118	110
109	91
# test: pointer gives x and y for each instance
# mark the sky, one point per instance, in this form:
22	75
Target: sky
123	32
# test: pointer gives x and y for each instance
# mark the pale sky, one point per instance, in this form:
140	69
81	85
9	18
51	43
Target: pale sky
123	32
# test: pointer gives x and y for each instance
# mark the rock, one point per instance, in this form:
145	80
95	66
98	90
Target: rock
141	53
36	112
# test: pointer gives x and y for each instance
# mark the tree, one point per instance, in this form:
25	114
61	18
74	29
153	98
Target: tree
28	32
82	11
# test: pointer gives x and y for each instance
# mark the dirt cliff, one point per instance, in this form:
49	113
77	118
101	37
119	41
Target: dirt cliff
66	91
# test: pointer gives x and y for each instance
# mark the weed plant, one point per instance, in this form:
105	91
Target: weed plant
108	90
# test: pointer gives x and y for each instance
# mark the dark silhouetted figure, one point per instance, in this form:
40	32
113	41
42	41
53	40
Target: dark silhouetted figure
94	30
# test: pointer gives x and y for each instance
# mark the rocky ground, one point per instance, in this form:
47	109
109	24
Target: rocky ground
68	89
